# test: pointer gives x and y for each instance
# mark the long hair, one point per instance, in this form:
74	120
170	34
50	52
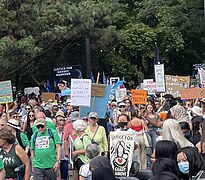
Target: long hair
195	121
202	126
166	149
172	131
196	162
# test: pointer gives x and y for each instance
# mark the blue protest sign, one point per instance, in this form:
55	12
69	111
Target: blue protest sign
5	92
100	104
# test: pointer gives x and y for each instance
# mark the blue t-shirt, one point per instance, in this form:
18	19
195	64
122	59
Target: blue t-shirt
65	92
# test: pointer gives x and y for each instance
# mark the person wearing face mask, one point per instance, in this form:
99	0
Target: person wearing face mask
191	164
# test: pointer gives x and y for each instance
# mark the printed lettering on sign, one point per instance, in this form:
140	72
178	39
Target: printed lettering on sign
42	142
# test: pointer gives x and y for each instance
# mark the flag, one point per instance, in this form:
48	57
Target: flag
92	77
156	55
48	86
104	78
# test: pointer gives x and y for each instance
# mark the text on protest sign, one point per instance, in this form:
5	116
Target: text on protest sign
139	96
149	85
121	152
193	93
80	92
159	78
98	89
5	92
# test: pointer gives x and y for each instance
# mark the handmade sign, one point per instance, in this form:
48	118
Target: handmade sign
192	93
46	96
121	152
159	78
139	96
80	92
120	94
149	85
5	92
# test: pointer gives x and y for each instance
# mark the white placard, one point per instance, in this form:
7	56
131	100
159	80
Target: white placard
159	78
120	94
80	92
149	85
121	152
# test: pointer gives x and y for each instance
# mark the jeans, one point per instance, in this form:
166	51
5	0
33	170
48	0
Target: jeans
49	173
64	169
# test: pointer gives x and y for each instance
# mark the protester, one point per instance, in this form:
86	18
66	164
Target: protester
64	160
13	156
80	143
2	170
139	126
103	173
3	115
190	163
165	175
24	117
122	110
172	131
3	123
27	126
201	144
97	133
92	150
21	137
128	104
186	130
45	143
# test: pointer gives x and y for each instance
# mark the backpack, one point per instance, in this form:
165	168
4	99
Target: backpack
50	134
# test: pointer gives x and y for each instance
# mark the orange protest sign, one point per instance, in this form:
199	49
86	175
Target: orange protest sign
193	93
139	96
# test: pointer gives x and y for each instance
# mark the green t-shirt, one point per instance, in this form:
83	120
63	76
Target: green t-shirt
24	139
1	164
44	149
81	143
49	124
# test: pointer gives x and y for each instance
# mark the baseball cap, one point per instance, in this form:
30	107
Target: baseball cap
93	115
40	121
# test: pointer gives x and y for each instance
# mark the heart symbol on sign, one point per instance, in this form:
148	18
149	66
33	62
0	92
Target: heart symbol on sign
119	160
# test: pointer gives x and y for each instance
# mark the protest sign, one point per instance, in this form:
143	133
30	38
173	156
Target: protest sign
98	89
192	93
80	92
100	104
30	90
139	96
67	73
113	80
120	94
121	152
46	96
149	85
159	78
176	83
5	92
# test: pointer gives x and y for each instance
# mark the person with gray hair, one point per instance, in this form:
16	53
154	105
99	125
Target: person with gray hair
80	144
91	151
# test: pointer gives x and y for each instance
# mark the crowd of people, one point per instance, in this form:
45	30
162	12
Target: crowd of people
50	140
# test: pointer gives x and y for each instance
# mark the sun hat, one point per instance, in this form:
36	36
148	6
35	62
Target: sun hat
60	113
13	123
93	115
121	104
40	121
197	110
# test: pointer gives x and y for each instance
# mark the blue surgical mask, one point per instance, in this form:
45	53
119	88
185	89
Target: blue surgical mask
184	167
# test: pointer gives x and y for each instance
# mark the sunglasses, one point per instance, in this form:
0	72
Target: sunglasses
28	109
121	106
40	126
31	115
85	119
14	117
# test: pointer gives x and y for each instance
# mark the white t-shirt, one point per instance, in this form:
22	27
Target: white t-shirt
85	172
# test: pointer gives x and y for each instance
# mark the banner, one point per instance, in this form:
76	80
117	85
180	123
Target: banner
6	95
120	94
67	73
100	104
80	92
139	96
176	83
201	75
121	152
149	85
192	93
159	78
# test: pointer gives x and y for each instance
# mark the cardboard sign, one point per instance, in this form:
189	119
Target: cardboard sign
100	104
120	94
80	92
121	152
98	89
5	92
176	83
46	96
193	93
139	96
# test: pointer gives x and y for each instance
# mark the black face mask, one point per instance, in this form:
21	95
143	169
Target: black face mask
122	125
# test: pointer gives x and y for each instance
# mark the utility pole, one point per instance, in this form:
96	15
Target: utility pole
88	59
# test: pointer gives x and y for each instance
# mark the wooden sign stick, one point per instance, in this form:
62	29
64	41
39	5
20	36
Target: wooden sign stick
93	102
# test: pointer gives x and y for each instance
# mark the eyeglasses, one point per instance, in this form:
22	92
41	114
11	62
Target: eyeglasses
40	126
28	109
31	115
15	117
121	106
